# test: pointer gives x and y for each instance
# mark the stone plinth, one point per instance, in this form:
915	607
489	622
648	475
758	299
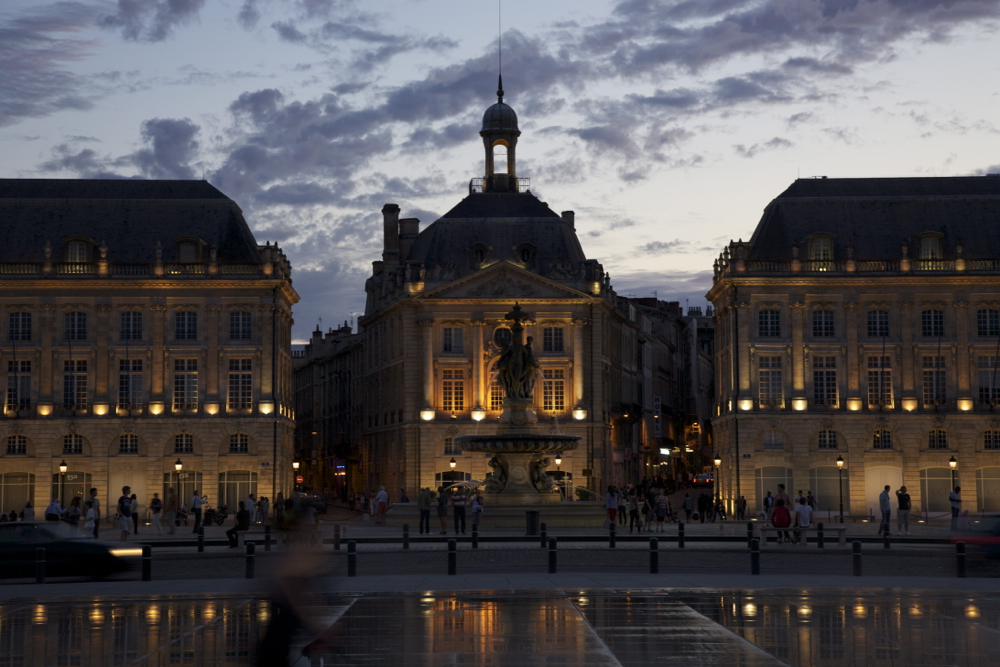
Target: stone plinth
519	463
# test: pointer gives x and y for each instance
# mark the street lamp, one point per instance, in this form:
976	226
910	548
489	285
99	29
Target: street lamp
952	463
295	465
178	466
558	460
453	463
840	483
62	481
715	482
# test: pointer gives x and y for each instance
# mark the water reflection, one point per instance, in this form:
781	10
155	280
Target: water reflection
589	628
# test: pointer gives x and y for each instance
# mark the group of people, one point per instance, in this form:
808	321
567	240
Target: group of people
642	505
458	499
771	502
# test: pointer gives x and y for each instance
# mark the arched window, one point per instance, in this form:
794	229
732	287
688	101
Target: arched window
882	439
987	489
183	443
768	478
773	440
72	443
935	484
827	439
500	164
502	336
991	439
937	439
16	445
239	443
128	443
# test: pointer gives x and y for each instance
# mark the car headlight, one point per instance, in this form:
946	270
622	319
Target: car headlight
125	552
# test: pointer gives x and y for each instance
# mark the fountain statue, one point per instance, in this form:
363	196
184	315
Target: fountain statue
519	450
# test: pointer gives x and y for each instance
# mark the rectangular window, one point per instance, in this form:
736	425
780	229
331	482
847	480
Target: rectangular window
239	443
552	339
240	384
823	323
991	440
453	339
450	448
73	444
827	439
932	322
769	324
19	326
183	443
773	440
74	384
769	381
185	384
186	325
879	381
18	385
496	396
453	391
825	380
937	439
76	326
129	383
933	375
989	376
128	443
187	253
131	325
18	445
822	249
878	323
76	252
930	248
554	391
239	325
988	322
882	439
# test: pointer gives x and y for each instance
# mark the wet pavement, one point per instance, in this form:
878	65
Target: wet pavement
521	627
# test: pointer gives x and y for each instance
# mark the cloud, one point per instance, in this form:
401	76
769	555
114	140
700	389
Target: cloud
675	246
151	20
769	145
799	118
172	148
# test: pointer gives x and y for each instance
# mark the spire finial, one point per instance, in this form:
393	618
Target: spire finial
500	89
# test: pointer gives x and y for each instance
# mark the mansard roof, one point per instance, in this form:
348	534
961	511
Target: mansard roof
876	215
131	216
501	205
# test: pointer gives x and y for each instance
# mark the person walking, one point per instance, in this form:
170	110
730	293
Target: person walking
633	512
622	506
443	510
242	523
124	512
196	503
688	506
74	512
170	511
424	507
955	498
28	513
611	502
662	506
458	507
381	506
902	511
477	510
156	506
768	506
781	518
97	510
251	507
883	506
134	507
702	507
279	508
54	511
90	516
803	517
265	509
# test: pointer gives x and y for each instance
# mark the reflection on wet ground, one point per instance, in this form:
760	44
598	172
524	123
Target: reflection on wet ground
534	628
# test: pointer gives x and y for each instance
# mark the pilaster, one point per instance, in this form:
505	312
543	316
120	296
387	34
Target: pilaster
853	369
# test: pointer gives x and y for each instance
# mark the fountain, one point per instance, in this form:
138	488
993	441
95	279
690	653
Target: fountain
519	450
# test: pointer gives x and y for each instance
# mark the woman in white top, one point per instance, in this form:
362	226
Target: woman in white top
28	513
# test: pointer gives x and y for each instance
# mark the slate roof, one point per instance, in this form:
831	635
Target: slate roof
875	215
129	215
501	205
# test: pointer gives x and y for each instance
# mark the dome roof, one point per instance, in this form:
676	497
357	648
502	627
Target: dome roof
500	116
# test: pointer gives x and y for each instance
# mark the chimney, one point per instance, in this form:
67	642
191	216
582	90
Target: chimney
390	227
569	217
408	229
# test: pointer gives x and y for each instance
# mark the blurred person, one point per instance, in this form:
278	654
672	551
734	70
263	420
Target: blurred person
885	508
781	518
803	517
170	510
28	513
768	506
74	512
381	505
611	503
458	507
279	508
124	511
97	510
902	511
442	503
90	515
156	506
134	507
477	509
403	498
741	508
662	506
251	505
242	522
424	507
622	506
13	515
265	509
955	498
196	503
54	511
688	506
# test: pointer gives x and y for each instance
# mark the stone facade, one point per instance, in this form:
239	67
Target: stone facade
142	326
862	321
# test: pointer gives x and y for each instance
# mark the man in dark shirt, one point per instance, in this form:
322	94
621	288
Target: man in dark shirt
125	511
242	523
903	511
458	505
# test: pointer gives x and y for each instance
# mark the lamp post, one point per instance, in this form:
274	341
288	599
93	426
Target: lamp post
715	482
952	463
295	472
62	481
840	484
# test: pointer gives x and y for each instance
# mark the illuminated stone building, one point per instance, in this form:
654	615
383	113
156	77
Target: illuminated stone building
142	327
862	321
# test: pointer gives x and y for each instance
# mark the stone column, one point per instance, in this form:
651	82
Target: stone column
267	375
798	359
743	340
46	370
213	334
905	361
853	369
107	359
428	330
578	325
963	386
156	336
479	396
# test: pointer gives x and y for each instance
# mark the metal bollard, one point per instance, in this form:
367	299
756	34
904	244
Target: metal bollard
475	536
749	533
452	557
39	566
857	559
336	537
201	539
654	555
147	562
611	536
755	556
885	540
406	536
819	536
352	558
267	538
251	556
543	531
680	535
552	555
960	558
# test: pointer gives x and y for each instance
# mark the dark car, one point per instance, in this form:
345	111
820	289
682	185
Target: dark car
67	552
704	479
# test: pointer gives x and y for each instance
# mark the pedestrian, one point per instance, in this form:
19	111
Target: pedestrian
403	498
442	502
279	508
265	509
54	511
781	518
251	507
781	495
768	506
798	497
622	503
28	513
381	505
90	515
955	498
13	515
196	503
156	505
424	508
477	510
458	507
97	511
883	506
134	507
803	517
688	506
74	511
611	502
702	507
662	506
902	511
124	512
811	500
170	510
633	512
242	523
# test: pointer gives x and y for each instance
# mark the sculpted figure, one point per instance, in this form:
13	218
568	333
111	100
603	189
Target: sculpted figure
496	480
517	367
536	470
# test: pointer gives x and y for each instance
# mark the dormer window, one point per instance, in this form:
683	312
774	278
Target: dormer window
524	252
76	252
821	249
930	247
187	253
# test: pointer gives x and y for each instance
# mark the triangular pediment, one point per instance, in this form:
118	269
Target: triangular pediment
503	281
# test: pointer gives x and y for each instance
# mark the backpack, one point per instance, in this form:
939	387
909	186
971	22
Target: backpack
781	518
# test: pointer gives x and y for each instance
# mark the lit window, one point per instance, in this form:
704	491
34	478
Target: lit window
453	391
769	380
185	384
882	439
240	384
554	390
496	396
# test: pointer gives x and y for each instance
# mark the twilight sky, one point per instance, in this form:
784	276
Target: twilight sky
667	125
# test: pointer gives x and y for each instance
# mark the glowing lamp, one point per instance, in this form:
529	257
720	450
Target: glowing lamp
559	459
909	404
952	463
427	414
478	414
579	413
840	461
265	407
453	463
212	408
100	409
718	462
178	465
156	408
664	451
799	404
295	465
965	404
44	409
746	404
854	404
63	467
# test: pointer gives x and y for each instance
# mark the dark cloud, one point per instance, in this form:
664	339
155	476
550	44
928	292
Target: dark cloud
798	118
288	32
675	246
151	20
172	148
771	144
249	14
817	66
